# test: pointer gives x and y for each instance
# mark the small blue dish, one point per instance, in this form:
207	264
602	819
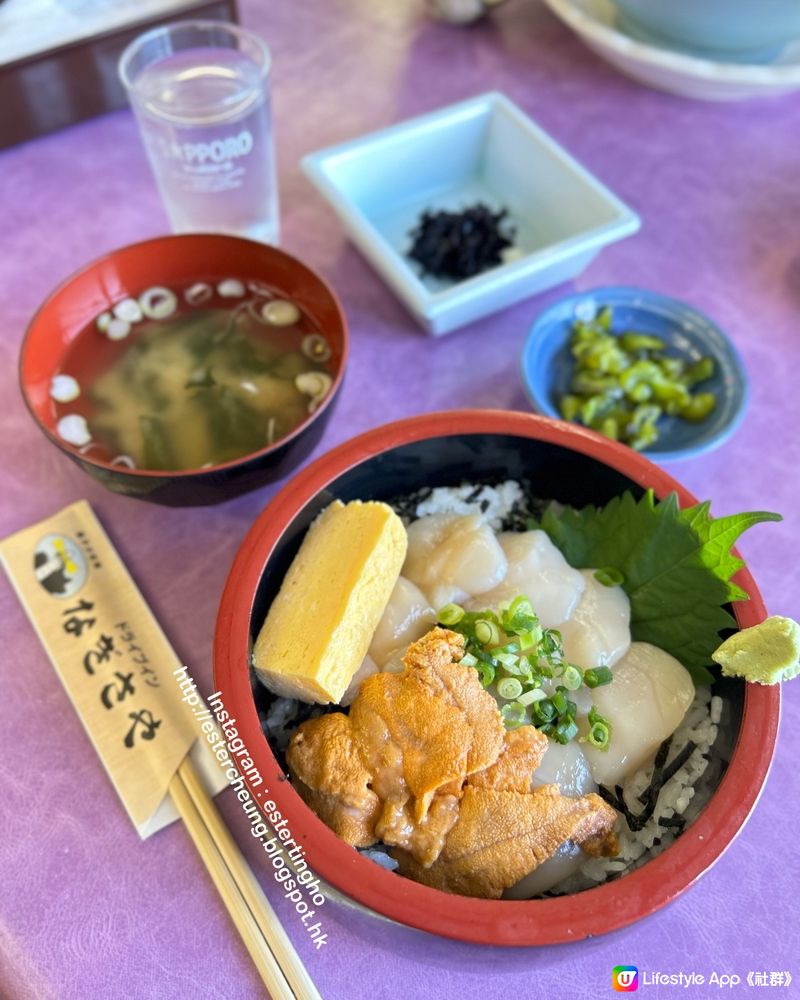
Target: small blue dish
547	364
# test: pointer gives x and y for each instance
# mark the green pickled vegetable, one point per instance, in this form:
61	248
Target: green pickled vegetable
624	384
641	342
698	407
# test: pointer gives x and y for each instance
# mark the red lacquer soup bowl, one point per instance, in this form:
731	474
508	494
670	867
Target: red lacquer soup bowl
62	340
566	463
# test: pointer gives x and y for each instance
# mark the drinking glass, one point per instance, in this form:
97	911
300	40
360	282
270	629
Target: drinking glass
200	93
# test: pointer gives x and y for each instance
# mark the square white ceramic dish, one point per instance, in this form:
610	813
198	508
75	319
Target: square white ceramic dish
484	149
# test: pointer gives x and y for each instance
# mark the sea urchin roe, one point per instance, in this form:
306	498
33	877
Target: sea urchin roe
623	384
458	245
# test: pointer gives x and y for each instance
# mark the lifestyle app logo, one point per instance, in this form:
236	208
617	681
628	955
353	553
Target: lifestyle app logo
625	978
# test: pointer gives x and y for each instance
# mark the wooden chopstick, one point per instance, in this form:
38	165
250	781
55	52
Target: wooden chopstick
268	968
263	913
272	952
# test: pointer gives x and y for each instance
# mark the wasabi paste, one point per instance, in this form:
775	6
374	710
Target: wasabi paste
767	653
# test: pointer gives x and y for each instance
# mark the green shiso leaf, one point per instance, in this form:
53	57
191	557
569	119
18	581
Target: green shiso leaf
676	567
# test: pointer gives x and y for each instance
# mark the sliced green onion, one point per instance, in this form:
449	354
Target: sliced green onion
468	660
514	665
509	688
609	577
451	614
530	696
565	731
520	605
530	639
597	677
599	736
509	660
513	714
599	730
486	632
573	677
559	700
544	710
486	673
550	642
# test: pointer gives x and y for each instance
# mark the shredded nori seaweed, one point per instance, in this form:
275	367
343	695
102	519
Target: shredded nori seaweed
649	797
405	506
458	245
523	515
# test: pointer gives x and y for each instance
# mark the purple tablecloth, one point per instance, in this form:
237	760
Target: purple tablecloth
87	910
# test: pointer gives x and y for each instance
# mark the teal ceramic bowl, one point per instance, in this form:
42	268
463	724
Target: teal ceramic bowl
724	30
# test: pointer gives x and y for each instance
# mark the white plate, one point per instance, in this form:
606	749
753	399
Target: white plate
594	21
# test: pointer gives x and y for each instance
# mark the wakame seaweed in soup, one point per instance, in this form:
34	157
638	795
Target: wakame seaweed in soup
193	378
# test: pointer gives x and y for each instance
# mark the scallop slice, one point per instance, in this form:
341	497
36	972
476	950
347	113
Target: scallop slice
395	665
537	569
565	862
74	430
407	617
645	704
367	668
566	766
453	556
598	633
64	388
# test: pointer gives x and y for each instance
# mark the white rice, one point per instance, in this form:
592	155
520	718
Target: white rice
683	795
495	503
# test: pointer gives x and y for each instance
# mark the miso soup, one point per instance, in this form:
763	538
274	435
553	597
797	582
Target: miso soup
193	378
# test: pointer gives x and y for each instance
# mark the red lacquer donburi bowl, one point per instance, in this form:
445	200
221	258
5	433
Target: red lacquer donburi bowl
564	462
